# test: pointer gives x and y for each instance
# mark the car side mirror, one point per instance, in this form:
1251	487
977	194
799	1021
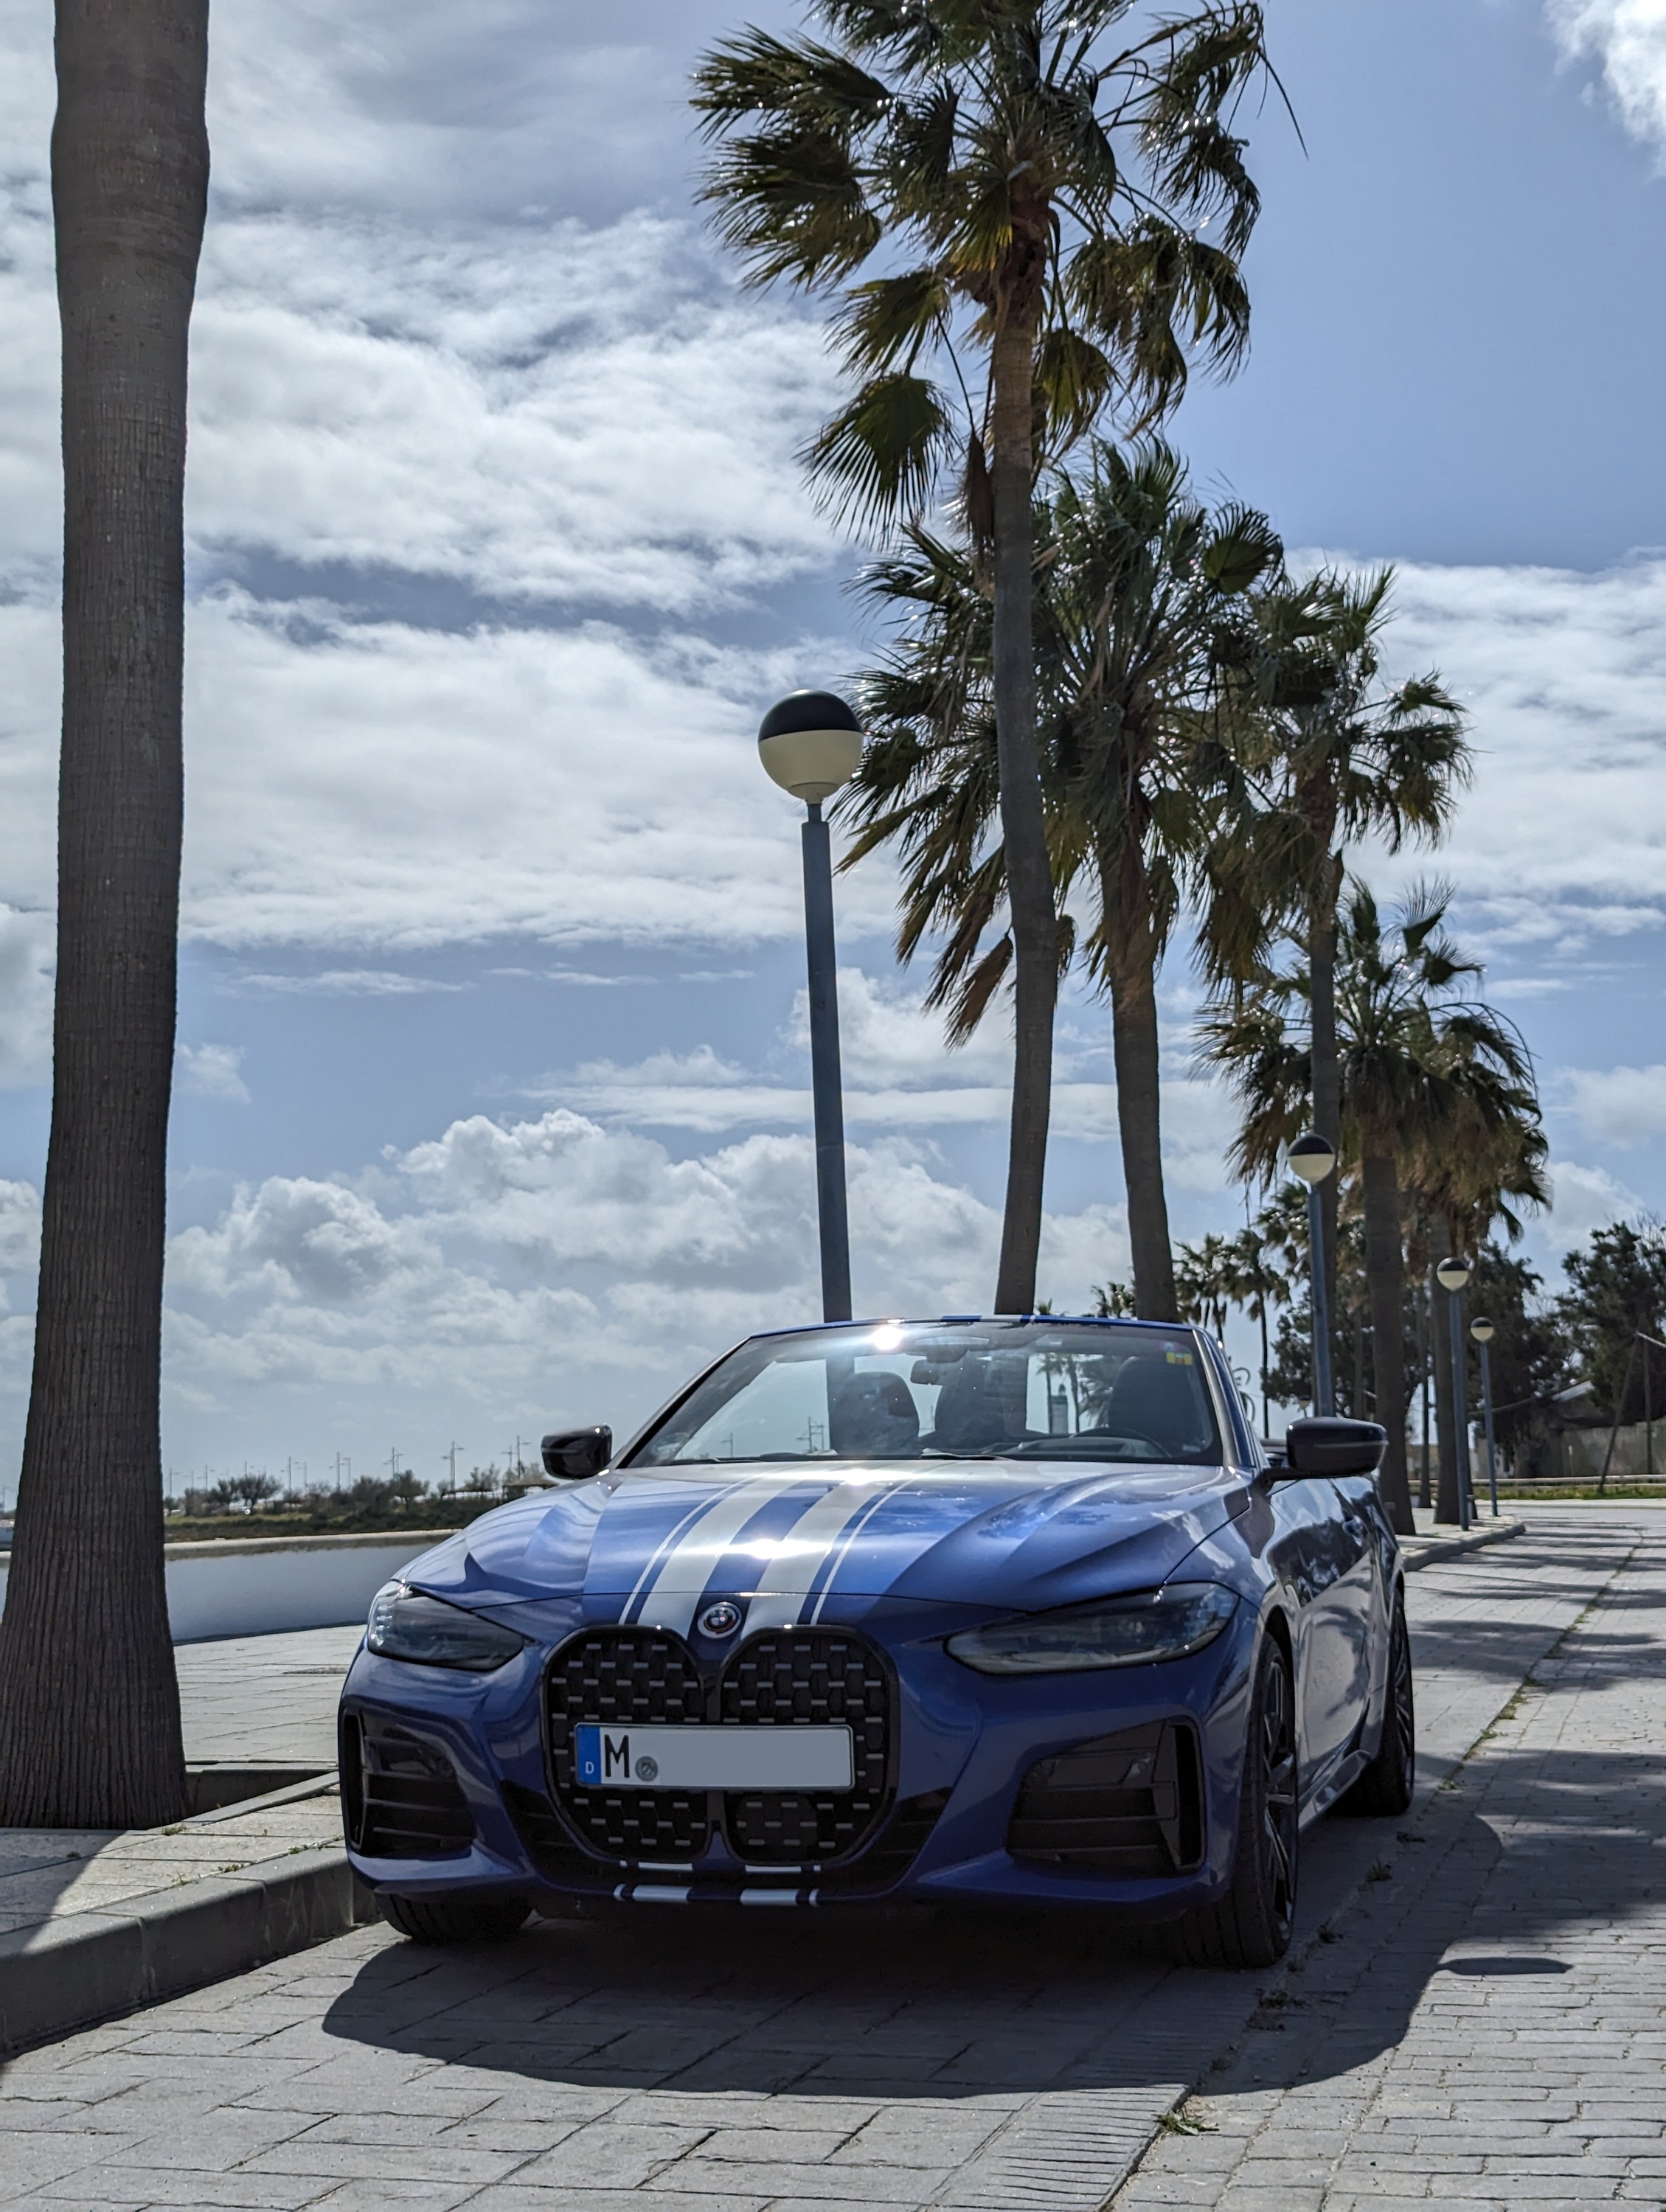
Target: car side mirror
573	1454
1327	1444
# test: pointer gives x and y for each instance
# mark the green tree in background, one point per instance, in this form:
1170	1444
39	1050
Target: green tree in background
1617	1287
1010	213
1530	1356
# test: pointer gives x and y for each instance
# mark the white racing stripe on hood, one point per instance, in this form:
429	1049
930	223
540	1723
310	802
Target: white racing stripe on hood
679	1582
804	1549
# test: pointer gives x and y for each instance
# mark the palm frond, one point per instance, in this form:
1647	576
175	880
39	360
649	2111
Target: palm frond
877	458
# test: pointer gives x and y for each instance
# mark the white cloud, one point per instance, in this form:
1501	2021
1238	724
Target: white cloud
1623	1107
1628	37
27	944
211	1071
20	1227
548	1268
342	983
899	1075
1558	846
1584	1199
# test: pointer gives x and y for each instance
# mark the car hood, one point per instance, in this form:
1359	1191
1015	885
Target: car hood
1018	1535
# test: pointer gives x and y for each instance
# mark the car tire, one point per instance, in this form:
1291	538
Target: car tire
1250	1927
455	1919
1385	1787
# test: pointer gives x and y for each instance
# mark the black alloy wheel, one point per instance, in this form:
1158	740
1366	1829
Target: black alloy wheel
1385	1787
1250	1926
455	1919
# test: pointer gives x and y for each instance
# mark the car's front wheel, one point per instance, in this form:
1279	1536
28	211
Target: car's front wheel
455	1919
1385	1787
1250	1925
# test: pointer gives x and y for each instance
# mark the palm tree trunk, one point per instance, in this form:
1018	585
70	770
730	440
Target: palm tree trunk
1423	1491
1138	1120
1440	1329
1325	1063
1383	1281
89	1709
1024	827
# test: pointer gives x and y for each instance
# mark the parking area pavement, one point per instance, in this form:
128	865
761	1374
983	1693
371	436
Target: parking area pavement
757	2064
264	1700
1489	2028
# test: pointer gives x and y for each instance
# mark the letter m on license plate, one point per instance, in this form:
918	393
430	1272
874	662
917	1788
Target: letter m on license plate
711	1758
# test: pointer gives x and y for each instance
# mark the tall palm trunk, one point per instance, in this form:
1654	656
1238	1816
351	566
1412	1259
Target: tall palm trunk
1139	1119
1440	1329
1383	1281
1023	828
89	1710
1327	1071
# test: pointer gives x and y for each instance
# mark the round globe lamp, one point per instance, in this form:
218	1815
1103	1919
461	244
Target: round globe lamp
811	744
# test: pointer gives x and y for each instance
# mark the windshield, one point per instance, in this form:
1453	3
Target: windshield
1019	1389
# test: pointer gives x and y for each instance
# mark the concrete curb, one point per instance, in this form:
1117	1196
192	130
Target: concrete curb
1431	1549
86	1967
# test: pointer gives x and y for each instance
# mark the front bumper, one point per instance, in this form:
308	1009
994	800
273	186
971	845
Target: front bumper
482	1809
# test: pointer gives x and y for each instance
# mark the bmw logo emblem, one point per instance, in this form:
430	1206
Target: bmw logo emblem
720	1619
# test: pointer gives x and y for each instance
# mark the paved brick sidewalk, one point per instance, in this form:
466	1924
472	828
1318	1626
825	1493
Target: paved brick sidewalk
677	2063
264	1700
1488	2028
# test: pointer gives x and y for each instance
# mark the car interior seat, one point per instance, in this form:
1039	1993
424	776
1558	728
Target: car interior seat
873	1417
983	1403
1151	1398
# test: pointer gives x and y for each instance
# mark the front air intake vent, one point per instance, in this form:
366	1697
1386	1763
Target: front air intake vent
1129	1804
400	1797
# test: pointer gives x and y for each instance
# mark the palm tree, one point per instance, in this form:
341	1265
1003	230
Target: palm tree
89	1710
1135	582
1429	1081
1265	1259
1205	1280
1340	757
1471	1173
1033	199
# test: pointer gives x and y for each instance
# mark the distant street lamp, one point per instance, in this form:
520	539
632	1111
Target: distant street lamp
1452	1274
1313	1159
811	744
1483	1332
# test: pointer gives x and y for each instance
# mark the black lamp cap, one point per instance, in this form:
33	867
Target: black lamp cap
1312	1147
807	710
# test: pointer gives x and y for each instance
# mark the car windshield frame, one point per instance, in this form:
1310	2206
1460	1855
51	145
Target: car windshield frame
1059	1388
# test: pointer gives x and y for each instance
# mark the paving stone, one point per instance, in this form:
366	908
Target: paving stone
673	2066
1482	2093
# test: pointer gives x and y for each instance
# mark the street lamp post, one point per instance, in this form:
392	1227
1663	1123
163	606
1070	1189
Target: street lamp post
1313	1159
811	744
1483	1332
1452	1274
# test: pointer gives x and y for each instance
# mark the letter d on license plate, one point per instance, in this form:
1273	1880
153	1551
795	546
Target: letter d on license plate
711	1758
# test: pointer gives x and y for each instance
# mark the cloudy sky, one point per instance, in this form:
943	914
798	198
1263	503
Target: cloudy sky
493	1096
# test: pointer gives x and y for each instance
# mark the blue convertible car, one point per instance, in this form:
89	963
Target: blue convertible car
1009	1611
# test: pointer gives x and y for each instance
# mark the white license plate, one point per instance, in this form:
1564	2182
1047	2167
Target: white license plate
713	1758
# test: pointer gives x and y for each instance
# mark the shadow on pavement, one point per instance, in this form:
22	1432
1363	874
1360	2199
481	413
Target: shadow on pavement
965	2006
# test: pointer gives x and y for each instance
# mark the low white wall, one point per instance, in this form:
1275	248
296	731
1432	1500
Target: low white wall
263	1586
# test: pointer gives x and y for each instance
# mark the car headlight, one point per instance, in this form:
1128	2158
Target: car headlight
1120	1632
406	1623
